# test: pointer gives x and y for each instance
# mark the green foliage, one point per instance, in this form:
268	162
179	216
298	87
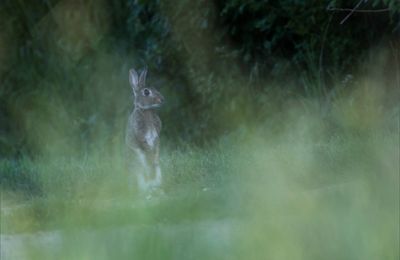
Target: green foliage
280	129
64	64
254	194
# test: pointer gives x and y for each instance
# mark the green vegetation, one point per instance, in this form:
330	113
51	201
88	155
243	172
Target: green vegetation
280	133
289	188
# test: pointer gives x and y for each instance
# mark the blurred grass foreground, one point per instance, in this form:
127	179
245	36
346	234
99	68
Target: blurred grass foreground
280	133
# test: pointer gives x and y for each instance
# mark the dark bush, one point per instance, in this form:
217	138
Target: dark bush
212	60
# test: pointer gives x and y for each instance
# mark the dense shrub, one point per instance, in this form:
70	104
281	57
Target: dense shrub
212	59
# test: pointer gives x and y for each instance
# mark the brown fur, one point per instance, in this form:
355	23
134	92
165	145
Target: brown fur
143	130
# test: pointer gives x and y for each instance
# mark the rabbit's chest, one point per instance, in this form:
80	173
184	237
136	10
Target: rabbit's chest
145	128
151	137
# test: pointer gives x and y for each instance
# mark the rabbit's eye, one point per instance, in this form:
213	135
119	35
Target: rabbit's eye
146	92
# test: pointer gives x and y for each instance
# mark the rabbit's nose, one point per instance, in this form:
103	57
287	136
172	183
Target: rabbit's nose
160	100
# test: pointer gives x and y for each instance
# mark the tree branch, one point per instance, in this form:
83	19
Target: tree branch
357	11
354	10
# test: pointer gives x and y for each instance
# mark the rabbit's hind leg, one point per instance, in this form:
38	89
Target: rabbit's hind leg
158	177
156	170
142	183
142	175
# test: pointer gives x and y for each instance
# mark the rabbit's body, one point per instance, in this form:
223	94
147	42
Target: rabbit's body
144	128
143	132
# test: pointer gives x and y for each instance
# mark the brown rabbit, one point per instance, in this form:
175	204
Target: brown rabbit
143	131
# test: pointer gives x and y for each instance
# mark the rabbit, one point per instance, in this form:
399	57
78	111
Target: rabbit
143	132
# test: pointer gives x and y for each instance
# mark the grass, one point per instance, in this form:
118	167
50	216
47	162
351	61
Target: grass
288	180
301	192
293	181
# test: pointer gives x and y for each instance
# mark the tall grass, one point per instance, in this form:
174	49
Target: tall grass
276	175
295	186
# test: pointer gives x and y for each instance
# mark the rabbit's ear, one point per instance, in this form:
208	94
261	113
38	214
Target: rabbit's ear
142	78
133	79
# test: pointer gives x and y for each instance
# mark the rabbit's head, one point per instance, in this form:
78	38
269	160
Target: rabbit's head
145	97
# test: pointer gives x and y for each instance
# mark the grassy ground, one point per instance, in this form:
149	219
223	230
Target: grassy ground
295	187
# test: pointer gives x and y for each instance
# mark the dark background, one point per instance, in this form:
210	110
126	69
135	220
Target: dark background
64	64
